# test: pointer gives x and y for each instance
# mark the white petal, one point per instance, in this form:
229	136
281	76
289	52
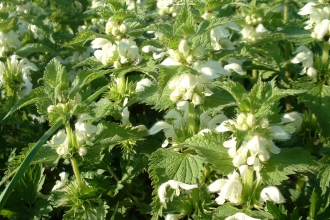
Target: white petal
279	133
271	193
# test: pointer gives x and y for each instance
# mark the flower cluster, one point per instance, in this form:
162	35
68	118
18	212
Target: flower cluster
250	154
83	130
118	53
305	57
319	19
16	71
178	127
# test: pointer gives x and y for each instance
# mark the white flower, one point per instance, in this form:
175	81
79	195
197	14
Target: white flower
251	33
84	130
207	122
167	128
219	36
271	193
279	133
305	57
129	52
228	189
125	115
82	151
9	42
106	54
60	183
176	185
233	67
172	217
295	119
60	140
140	85
240	216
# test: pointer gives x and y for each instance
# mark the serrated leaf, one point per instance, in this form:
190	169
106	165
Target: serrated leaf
9	24
207	25
317	99
287	162
31	183
218	100
85	77
163	28
34	48
90	61
271	38
122	14
166	164
105	107
224	211
55	76
94	212
85	36
297	34
238	92
276	211
210	147
112	133
184	24
36	95
324	173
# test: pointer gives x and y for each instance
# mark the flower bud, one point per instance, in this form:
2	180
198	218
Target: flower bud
116	64
250	120
123	28
241	118
82	151
51	108
184	47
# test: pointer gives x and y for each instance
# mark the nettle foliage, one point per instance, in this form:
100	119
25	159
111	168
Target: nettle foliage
187	109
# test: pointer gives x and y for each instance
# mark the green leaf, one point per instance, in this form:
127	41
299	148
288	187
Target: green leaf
166	164
36	95
297	34
55	76
163	28
112	133
271	38
9	24
5	193
317	99
207	25
324	173
210	147
224	211
287	162
105	107
31	183
85	77
276	211
34	48
93	212
218	100
85	36
122	14
184	24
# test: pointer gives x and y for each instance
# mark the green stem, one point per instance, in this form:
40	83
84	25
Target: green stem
325	55
74	163
255	74
76	171
191	118
195	198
